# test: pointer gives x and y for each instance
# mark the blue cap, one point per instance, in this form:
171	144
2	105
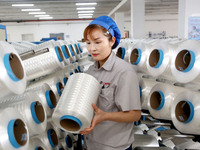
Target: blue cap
109	24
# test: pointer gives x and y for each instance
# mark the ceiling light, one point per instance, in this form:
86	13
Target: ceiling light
41	16
46	18
85	8
83	4
37	13
30	9
22	5
85	16
85	12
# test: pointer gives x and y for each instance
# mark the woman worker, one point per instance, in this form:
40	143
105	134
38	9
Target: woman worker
118	105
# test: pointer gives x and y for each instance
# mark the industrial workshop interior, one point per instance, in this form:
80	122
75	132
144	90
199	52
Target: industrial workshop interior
51	92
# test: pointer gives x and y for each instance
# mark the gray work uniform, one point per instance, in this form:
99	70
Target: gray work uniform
120	92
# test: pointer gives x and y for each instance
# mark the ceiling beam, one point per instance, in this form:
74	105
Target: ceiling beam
117	7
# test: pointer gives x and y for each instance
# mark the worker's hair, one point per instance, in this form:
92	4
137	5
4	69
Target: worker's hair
88	30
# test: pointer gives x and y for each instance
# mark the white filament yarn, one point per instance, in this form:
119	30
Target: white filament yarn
75	103
44	63
55	81
65	51
160	100
47	97
32	110
12	120
186	117
49	137
145	87
191	72
71	51
13	77
159	59
36	144
138	56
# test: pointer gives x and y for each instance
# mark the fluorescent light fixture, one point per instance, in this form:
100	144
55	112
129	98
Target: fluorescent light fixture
83	4
22	5
85	16
85	8
41	16
37	13
80	12
46	18
30	9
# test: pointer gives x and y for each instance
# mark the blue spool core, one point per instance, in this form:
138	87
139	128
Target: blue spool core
70	123
137	52
8	67
33	112
140	88
156	58
39	148
48	99
157	100
68	141
184	111
76	49
185	60
52	137
59	88
70	48
64	51
79	69
160	59
14	126
71	73
79	47
121	52
58	54
65	80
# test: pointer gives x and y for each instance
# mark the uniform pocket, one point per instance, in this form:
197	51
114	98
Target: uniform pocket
106	99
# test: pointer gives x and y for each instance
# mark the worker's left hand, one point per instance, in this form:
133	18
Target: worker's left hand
99	117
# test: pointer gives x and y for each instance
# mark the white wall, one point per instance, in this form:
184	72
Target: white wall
170	26
75	29
72	30
187	8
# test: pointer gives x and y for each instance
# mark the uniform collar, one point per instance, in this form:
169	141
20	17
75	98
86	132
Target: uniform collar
109	62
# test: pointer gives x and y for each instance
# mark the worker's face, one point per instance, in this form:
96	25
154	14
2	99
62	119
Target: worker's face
99	46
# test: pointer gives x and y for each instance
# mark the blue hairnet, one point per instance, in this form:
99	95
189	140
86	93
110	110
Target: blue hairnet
109	24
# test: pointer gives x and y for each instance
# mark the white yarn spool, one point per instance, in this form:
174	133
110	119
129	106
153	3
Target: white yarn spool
185	112
159	60
138	56
19	48
47	97
186	62
49	137
13	77
83	48
124	50
160	100
45	60
31	108
36	144
71	51
55	82
13	130
65	51
74	112
145	88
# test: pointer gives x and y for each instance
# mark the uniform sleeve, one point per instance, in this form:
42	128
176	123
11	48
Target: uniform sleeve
127	95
